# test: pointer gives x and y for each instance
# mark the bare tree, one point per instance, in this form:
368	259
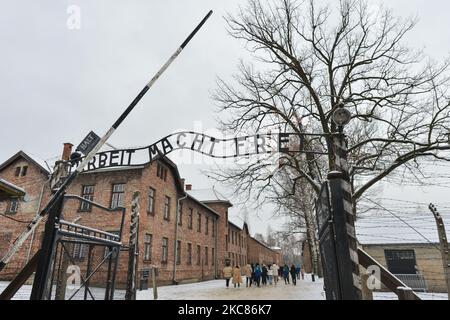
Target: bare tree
310	59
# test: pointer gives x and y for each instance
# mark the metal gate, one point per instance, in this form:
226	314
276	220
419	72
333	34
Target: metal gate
85	260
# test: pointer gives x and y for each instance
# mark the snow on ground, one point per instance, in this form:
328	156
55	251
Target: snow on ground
208	290
423	296
216	290
98	293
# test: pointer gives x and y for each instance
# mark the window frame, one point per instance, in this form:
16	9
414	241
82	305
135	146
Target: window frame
199	221
167	205
191	219
178	252
151	209
85	206
13	206
148	252
199	255
165	250
117	193
189	253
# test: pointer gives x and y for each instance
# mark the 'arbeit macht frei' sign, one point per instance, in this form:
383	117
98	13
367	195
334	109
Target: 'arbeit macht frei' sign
265	143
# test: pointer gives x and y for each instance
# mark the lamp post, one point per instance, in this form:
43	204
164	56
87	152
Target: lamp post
343	199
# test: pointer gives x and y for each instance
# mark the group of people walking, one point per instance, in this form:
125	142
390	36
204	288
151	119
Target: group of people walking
262	275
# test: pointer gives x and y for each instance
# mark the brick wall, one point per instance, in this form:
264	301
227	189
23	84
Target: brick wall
237	245
32	183
259	253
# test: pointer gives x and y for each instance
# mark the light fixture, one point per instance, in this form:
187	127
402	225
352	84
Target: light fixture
341	116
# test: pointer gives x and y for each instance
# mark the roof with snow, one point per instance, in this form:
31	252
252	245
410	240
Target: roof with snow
393	227
8	189
208	195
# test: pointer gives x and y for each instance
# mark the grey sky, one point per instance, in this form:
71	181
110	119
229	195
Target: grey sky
57	84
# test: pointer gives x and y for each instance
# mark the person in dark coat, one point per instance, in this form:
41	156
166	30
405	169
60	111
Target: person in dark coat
253	273
294	275
258	273
286	274
264	272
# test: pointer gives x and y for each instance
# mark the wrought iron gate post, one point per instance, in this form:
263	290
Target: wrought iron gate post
41	279
133	248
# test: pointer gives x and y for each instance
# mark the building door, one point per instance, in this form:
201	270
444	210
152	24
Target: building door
401	261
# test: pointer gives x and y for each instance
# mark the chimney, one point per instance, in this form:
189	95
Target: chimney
67	151
182	181
188	187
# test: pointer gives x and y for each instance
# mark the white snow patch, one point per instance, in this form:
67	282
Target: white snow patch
216	290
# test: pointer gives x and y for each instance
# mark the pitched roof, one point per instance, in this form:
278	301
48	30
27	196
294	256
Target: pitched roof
264	244
37	162
209	196
403	228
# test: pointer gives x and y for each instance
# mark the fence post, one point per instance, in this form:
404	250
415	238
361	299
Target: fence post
443	244
155	288
405	293
341	165
367	293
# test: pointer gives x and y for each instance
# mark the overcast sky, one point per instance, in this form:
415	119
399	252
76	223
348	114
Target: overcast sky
57	84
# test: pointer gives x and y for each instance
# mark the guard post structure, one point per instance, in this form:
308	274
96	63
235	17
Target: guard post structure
341	198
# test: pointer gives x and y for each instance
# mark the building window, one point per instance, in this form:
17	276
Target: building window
190	218
199	222
401	261
213	228
198	255
151	201
189	253
213	258
13	206
178	252
21	171
79	251
206	225
167	208
148	247
165	250
118	196
87	192
206	256
180	214
161	172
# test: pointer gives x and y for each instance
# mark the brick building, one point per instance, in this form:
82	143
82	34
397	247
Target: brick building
31	176
259	252
185	233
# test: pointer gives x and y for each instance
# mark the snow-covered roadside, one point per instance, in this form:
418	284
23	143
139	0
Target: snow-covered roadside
423	296
216	290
